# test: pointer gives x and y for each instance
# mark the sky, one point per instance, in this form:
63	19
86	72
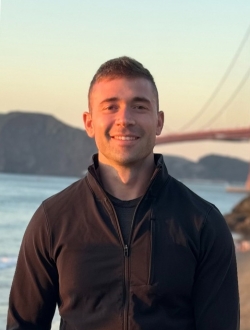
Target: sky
50	50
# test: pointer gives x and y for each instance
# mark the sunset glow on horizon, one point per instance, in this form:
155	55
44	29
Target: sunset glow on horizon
50	50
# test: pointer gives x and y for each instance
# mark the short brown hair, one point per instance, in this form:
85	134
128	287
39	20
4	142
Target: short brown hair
123	67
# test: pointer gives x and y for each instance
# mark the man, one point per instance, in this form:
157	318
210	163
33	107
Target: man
128	246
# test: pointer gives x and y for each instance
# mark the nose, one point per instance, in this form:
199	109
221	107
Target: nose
125	117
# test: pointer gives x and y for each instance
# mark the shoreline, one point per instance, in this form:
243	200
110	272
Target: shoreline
243	266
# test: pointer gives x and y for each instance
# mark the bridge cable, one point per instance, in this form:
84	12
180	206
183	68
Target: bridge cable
229	101
221	82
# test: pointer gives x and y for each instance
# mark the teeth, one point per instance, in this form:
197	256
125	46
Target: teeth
125	138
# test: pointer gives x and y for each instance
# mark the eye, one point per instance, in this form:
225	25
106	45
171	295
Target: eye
111	107
140	107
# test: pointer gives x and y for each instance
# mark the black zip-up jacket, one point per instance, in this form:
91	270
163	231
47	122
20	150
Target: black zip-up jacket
178	271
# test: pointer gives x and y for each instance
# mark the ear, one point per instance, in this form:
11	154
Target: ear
88	123
160	122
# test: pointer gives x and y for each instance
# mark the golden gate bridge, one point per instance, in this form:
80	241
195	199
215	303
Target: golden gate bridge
221	134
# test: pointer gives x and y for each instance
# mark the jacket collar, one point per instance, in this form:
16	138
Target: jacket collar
159	178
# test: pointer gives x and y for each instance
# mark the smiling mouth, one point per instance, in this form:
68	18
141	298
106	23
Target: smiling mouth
125	138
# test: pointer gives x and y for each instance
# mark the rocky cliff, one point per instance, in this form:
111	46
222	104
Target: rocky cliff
239	219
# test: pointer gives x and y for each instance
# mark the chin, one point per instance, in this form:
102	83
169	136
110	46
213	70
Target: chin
129	160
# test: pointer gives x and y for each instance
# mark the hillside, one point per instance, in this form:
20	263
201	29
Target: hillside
40	144
211	167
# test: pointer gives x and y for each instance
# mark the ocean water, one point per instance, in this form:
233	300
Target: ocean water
20	195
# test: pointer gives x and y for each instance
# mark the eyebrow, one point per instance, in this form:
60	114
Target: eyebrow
111	99
135	99
141	99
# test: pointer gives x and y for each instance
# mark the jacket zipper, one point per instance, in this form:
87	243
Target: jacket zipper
126	287
126	271
126	249
126	266
152	244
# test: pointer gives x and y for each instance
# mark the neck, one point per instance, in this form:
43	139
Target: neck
126	183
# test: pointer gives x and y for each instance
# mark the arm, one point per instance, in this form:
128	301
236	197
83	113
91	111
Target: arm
34	291
215	292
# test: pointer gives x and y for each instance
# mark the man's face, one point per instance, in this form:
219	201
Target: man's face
123	120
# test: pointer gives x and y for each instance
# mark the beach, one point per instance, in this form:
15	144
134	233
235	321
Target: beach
243	263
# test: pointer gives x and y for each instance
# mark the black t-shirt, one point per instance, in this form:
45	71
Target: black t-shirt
125	212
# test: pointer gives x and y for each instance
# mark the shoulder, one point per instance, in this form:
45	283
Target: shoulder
62	208
200	220
67	198
192	208
189	199
60	214
59	203
177	193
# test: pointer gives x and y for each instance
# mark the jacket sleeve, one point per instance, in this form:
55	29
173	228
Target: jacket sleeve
215	292
34	291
